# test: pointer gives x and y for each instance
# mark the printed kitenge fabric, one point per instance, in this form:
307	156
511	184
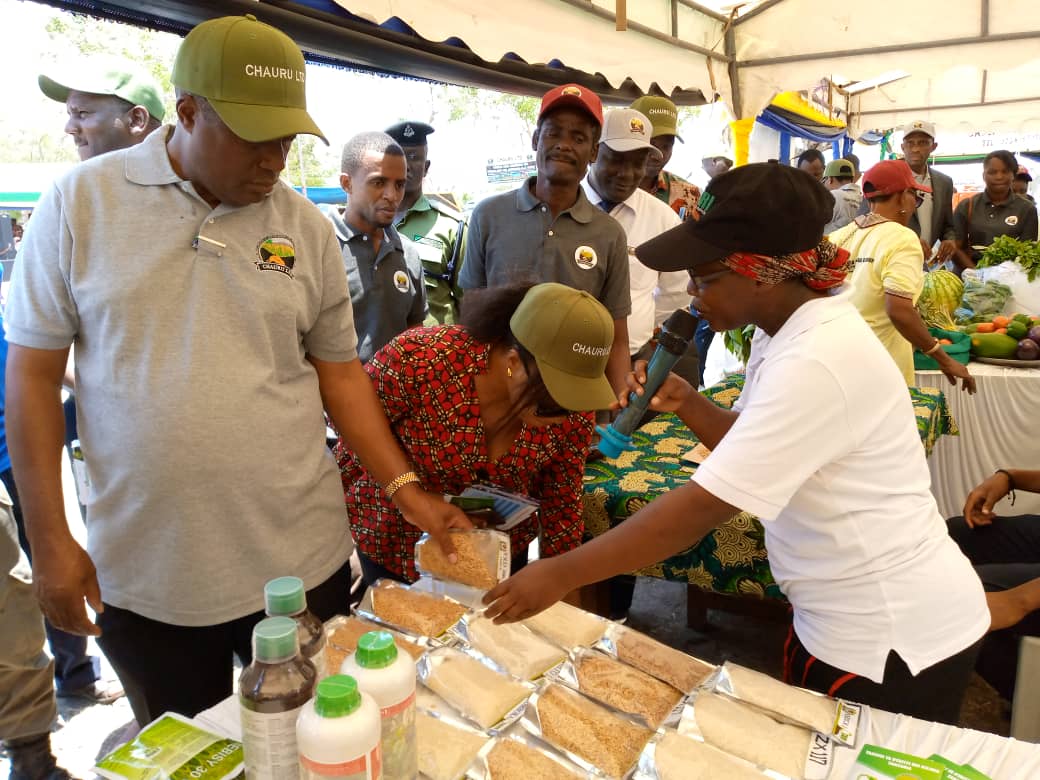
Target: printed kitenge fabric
426	381
678	193
820	268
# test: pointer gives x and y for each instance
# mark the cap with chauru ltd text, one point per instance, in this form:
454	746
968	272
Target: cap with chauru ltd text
569	333
253	75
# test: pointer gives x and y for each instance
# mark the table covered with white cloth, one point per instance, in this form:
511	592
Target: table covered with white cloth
999	428
999	757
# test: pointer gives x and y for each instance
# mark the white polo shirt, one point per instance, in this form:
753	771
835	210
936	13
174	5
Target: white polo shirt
826	452
655	295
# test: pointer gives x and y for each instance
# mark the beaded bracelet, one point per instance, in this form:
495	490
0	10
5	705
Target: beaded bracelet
399	482
1011	483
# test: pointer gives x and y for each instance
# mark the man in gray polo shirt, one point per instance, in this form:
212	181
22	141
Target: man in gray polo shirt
208	305
548	231
385	276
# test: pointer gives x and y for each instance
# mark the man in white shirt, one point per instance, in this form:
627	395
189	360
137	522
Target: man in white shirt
613	185
824	449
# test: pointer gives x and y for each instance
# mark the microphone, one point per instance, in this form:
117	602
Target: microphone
676	335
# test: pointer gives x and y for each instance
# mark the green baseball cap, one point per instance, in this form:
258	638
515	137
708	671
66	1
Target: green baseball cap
252	74
838	168
569	333
107	76
661	112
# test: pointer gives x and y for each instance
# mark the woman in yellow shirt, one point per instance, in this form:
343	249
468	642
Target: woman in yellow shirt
888	273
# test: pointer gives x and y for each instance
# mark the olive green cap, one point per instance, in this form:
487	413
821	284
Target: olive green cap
375	650
107	76
285	596
275	639
337	695
253	75
570	334
661	112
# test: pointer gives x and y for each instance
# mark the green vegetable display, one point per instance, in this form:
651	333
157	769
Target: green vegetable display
1006	248
993	345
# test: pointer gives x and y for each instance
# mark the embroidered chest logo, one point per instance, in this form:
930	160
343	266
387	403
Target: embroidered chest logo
401	281
276	253
585	257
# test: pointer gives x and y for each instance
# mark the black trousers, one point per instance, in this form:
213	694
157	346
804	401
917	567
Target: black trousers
935	693
187	669
1005	554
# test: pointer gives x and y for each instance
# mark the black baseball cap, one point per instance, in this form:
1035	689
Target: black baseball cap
763	208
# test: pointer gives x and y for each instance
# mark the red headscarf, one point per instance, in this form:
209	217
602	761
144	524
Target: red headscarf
821	268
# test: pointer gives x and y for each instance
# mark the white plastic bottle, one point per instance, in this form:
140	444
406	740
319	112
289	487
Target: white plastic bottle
389	677
337	733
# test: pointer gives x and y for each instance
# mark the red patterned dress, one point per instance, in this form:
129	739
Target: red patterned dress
426	381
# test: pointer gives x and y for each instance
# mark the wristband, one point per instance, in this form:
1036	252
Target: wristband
935	348
1011	483
399	482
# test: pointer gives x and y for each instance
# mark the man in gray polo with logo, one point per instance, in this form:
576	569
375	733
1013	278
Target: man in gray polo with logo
384	274
548	231
436	228
209	309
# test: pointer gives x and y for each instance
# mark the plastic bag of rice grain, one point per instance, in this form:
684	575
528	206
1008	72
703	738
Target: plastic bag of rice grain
483	558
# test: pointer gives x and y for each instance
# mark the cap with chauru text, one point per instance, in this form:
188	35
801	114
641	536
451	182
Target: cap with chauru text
661	112
252	74
107	76
569	333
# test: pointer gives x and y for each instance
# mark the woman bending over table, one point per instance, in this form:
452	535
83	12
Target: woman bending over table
823	449
503	399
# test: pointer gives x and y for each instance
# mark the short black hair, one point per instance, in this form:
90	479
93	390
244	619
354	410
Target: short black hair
357	148
842	179
810	155
1005	157
854	159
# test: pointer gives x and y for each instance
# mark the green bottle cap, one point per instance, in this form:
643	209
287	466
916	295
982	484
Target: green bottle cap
285	596
375	650
275	639
337	695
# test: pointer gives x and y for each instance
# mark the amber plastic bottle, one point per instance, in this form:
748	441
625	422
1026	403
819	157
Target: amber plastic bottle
271	692
286	597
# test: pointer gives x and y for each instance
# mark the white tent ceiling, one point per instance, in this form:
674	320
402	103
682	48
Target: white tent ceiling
971	62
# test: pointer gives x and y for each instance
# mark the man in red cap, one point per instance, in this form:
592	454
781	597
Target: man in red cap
548	230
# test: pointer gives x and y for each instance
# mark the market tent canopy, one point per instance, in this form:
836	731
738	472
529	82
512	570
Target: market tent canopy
520	47
970	62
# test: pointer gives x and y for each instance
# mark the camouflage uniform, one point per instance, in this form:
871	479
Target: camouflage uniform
438	232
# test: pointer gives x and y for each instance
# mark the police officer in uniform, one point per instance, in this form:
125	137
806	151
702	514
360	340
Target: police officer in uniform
436	228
